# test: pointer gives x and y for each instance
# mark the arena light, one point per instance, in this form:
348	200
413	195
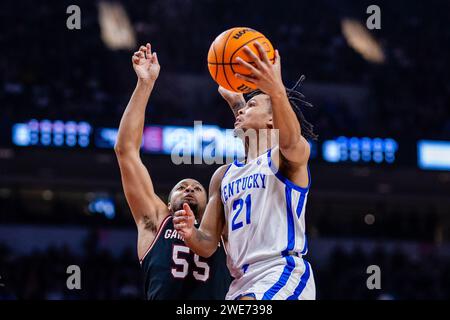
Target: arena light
47	133
116	30
433	155
362	41
345	149
103	205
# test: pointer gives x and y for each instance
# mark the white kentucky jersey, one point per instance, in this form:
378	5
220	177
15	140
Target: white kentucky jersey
265	214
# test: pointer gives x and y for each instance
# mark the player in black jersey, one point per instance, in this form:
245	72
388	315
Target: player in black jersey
171	270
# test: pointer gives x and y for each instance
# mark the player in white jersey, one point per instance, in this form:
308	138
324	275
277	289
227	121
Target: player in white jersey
259	205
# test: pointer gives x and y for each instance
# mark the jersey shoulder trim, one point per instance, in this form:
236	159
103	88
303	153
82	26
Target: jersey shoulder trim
285	180
238	164
228	169
161	227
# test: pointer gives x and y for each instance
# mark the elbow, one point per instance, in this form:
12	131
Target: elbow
290	142
118	149
122	149
207	253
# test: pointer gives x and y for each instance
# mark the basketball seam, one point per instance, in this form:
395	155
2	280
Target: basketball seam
231	58
234	63
215	56
223	57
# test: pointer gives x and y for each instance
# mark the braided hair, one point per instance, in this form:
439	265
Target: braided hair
296	99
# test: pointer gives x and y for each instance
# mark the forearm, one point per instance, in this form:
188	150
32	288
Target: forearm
131	126
201	243
285	120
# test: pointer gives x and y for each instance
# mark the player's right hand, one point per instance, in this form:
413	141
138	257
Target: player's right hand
184	222
145	64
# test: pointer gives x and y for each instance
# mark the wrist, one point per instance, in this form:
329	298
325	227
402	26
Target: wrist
145	83
279	93
187	237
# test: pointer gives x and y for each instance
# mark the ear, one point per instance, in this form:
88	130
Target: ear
169	206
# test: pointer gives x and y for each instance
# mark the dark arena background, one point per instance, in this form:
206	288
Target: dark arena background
380	193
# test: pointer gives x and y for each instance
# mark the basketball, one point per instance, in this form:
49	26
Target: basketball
226	48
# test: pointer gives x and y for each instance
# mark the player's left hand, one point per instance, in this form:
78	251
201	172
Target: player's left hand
265	75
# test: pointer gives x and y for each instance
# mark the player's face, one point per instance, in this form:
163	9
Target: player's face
257	114
188	191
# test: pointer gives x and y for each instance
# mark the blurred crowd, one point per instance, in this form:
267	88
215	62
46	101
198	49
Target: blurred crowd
48	71
405	275
42	275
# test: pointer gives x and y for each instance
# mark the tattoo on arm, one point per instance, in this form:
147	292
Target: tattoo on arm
201	236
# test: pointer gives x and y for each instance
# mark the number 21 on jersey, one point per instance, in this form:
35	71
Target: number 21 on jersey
240	205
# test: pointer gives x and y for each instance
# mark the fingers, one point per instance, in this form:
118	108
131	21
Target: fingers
183	219
253	56
143	50
135	58
180	222
179	225
277	57
180	213
139	54
245	78
187	209
146	51
248	66
262	52
155	58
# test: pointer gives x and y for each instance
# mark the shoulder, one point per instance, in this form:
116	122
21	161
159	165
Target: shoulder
218	175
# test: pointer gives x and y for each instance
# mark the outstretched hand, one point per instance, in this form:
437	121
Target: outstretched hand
184	221
145	64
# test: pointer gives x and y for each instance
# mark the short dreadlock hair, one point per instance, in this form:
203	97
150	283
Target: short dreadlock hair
296	99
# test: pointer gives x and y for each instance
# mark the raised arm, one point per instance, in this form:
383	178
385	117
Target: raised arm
147	208
267	77
204	240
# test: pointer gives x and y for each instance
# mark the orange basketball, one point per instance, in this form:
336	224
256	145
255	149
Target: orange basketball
226	48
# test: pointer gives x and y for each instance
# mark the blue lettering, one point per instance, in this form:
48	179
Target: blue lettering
244	183
225	193
231	189
241	184
237	184
255	180
263	179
